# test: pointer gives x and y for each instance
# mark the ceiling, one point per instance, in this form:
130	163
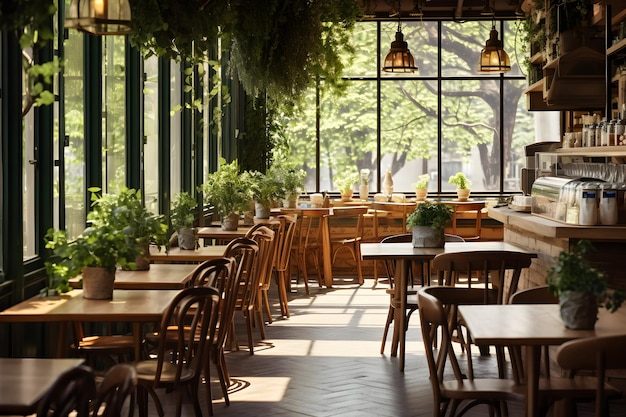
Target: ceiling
442	9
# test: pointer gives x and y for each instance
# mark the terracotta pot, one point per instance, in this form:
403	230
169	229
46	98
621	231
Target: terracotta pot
98	283
427	237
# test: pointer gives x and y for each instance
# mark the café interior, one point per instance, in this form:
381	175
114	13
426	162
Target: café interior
324	296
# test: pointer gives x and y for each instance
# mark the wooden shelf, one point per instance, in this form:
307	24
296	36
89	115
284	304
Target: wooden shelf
537	58
597	151
535	87
617	48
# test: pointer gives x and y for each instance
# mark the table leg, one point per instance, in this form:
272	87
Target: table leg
404	267
327	260
137	338
62	339
533	353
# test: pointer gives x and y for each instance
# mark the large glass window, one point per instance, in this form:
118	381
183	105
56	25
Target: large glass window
175	127
444	118
114	117
28	178
151	132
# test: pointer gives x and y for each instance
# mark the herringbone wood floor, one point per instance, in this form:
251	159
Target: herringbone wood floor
325	361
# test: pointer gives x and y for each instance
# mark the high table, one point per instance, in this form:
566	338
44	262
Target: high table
158	277
219	234
533	326
405	253
24	381
137	307
203	253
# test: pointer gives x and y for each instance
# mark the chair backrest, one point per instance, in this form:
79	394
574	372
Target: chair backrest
354	227
474	207
283	250
190	315
534	295
490	265
310	231
227	284
209	272
71	392
117	386
265	238
597	354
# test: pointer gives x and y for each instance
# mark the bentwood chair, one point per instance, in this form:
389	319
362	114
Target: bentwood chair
116	391
349	219
262	299
178	368
71	394
308	243
474	209
454	394
282	260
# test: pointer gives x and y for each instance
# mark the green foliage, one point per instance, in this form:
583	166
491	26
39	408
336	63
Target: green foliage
109	241
430	214
182	213
345	180
422	182
460	180
574	273
291	179
266	188
227	189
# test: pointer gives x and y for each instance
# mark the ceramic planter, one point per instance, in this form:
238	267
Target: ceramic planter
98	283
364	192
262	211
463	194
427	237
187	238
579	311
346	195
230	222
420	195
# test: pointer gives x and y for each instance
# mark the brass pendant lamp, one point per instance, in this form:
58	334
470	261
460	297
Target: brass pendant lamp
493	58
399	58
100	17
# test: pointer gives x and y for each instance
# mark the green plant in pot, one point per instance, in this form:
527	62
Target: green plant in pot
266	189
462	185
134	218
229	191
345	182
581	288
291	182
182	218
428	222
95	254
421	187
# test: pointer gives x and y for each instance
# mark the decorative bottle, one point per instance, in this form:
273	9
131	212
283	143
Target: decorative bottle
388	184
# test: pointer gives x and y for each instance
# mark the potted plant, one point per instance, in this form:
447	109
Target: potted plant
134	218
421	187
581	288
182	217
228	190
364	185
462	185
291	181
345	182
265	189
428	222
96	253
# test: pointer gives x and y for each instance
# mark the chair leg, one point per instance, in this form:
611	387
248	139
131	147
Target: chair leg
266	303
357	258
249	318
282	293
222	372
207	386
390	314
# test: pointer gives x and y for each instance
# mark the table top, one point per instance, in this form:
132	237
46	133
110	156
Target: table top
203	253
407	251
219	233
126	306
532	324
24	381
158	277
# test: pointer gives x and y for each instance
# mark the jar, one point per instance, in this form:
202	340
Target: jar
588	203
591	135
607	210
611	133
605	134
620	132
598	134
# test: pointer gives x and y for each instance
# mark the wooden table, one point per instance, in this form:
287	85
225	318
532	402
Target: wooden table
24	381
203	253
405	253
158	277
137	307
220	234
532	326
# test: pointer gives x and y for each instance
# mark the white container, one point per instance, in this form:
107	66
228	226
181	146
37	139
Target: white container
608	207
588	212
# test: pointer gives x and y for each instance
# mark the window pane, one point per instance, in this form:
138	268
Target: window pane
114	95
363	42
74	153
461	44
28	192
151	123
175	128
409	132
421	39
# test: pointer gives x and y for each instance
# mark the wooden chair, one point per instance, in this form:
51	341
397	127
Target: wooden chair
458	394
111	348
350	219
116	388
178	368
70	394
467	207
282	260
597	354
499	270
262	301
308	243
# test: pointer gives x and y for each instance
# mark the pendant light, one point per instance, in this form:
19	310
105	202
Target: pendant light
100	17
399	58
493	58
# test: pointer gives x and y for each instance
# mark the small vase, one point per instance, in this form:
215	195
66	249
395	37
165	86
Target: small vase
364	192
347	195
98	283
230	222
427	237
462	194
187	238
420	195
388	184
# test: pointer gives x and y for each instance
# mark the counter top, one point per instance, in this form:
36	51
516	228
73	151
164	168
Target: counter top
551	228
